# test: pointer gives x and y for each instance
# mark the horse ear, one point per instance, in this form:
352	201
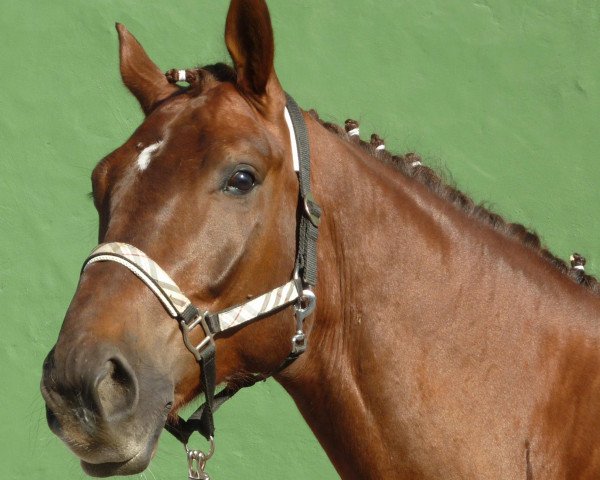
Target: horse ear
249	39
140	75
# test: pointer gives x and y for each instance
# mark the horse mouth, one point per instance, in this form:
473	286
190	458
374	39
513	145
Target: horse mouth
136	464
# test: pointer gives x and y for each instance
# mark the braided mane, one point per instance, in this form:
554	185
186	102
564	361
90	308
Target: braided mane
410	165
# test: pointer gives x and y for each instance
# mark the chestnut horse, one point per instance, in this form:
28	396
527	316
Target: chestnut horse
446	343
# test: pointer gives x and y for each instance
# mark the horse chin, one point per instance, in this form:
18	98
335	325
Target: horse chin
121	450
136	464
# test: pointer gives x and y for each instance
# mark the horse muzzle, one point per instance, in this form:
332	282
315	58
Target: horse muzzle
93	403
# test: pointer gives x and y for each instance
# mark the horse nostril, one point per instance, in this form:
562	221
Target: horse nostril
116	389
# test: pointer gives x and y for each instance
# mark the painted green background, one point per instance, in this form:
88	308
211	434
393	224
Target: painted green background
503	95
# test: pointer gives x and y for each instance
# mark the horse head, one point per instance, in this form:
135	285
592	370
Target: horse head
205	188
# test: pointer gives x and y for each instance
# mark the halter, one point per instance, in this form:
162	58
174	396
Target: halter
297	292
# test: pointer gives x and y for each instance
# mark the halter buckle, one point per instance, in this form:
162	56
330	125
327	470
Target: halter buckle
312	209
187	328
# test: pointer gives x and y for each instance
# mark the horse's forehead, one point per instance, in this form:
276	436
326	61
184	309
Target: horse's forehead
188	123
220	115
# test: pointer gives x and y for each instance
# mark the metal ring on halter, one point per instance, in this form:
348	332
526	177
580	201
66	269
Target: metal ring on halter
309	299
197	461
210	453
187	328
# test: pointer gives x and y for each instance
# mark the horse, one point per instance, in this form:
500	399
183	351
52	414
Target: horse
446	343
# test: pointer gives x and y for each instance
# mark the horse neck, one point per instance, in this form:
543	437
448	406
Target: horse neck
395	261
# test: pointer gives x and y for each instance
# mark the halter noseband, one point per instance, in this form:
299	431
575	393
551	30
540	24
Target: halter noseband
298	292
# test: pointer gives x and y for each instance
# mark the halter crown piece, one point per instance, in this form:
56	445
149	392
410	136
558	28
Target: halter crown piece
297	292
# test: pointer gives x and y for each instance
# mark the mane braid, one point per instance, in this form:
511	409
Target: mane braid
409	165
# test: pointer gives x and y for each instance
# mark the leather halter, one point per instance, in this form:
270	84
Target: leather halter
298	292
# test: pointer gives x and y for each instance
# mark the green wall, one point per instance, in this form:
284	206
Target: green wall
503	95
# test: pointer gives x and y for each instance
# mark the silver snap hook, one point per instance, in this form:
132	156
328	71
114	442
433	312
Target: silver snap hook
197	461
305	306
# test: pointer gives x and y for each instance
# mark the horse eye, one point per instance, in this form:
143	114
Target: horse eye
241	181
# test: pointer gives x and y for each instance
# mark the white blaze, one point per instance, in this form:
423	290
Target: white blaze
146	155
